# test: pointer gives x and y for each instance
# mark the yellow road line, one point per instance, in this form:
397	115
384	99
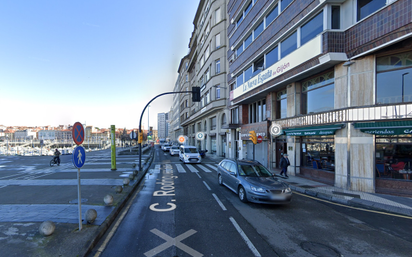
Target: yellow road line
355	208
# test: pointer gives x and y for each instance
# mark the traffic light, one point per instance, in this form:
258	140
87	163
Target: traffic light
253	137
195	94
140	139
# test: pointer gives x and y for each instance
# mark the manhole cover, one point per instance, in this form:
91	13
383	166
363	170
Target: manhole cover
319	250
76	201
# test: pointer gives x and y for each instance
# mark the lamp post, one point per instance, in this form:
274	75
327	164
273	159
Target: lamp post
403	85
7	149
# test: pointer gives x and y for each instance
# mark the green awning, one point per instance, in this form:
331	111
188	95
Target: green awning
386	128
314	131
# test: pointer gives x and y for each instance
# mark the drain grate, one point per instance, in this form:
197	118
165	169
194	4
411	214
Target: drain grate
319	250
346	194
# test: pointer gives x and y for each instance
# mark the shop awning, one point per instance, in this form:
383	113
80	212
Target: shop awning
314	131
386	128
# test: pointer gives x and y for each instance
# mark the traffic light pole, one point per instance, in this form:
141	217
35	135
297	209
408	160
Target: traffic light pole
141	116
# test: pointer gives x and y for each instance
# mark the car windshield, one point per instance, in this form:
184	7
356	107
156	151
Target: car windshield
175	147
190	150
253	171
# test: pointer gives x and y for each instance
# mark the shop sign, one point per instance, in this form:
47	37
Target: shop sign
388	131
312	133
299	56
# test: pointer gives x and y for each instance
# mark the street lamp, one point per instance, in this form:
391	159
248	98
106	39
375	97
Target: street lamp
403	86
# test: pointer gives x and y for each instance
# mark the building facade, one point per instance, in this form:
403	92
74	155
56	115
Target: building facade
162	125
205	66
330	84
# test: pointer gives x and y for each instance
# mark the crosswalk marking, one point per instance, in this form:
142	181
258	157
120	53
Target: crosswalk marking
204	168
211	166
180	168
191	168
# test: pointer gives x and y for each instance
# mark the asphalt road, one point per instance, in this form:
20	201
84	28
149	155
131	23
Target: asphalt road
180	210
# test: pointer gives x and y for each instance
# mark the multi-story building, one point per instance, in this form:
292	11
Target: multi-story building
175	128
205	67
162	127
336	76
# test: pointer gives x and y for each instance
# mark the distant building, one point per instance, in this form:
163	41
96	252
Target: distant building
162	125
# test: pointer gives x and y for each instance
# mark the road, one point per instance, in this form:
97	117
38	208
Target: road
180	210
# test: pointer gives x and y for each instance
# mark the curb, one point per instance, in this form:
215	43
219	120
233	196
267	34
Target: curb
113	215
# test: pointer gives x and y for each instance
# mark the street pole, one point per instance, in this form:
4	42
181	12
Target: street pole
140	122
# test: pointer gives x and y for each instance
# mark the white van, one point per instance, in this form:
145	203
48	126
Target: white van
189	154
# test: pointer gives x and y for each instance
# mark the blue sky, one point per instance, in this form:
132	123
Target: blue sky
97	62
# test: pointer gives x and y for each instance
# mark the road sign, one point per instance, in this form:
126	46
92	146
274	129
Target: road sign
259	139
200	136
78	133
79	157
133	135
181	139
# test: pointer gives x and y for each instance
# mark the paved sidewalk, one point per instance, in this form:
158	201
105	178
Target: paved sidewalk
387	203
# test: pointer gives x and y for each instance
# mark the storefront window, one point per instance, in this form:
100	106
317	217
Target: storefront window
213	140
394	157
319	152
394	78
318	93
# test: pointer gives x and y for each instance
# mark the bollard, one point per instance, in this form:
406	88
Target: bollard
90	216
47	228
108	199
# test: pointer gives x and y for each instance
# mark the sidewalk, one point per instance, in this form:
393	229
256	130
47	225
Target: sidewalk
380	202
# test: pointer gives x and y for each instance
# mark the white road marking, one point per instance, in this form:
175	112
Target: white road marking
219	202
180	168
204	182
173	242
204	168
211	166
191	168
243	235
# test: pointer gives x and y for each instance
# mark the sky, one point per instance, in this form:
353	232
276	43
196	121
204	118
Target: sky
97	62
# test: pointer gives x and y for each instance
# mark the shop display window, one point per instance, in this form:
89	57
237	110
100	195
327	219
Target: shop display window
393	155
318	152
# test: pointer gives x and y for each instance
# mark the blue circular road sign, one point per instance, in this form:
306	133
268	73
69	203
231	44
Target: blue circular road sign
79	157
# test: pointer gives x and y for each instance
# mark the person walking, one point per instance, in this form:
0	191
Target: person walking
57	157
284	163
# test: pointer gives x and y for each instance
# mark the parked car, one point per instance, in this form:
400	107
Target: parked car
189	154
252	182
174	150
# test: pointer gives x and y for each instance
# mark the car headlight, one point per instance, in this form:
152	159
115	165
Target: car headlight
287	190
257	189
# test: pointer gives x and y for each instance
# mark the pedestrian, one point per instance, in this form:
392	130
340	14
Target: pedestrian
284	163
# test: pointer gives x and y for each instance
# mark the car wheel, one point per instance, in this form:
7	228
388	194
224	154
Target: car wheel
242	194
220	179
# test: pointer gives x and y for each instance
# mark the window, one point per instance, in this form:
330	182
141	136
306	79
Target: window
207	29
248	73
335	17
288	45
187	78
224	119
207	75
367	7
248	40
258	30
217	66
239	80
257	111
213	123
218	16
239	50
204	126
217	41
234	115
312	28
318	93
202	61
207	52
207	98
272	57
217	92
272	15
284	4
258	66
318	152
247	9
282	104
394	78
239	21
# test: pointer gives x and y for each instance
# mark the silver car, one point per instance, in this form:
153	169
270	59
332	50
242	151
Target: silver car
174	150
251	181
